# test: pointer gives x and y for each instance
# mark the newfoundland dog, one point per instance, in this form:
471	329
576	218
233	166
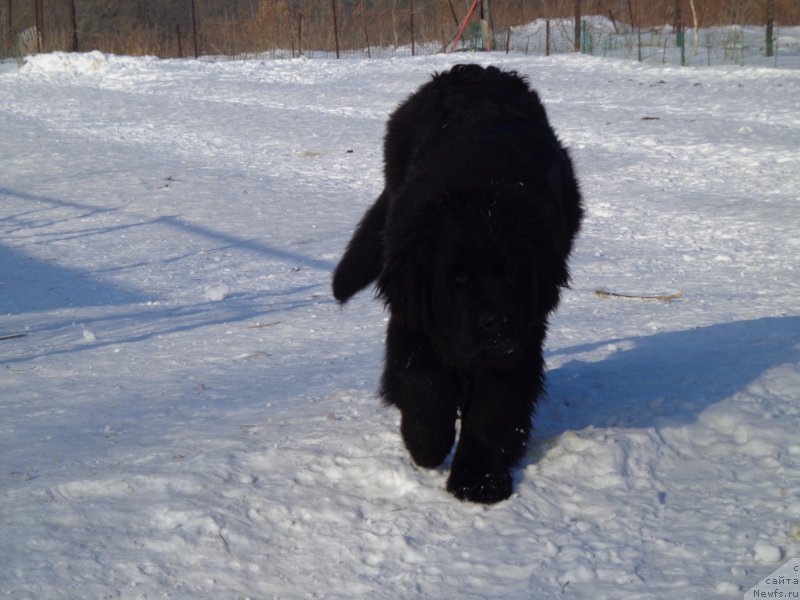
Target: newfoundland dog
468	244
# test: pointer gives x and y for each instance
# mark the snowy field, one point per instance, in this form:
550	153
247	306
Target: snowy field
189	414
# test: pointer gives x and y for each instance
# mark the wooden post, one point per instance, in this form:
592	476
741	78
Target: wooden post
10	26
366	33
770	26
547	38
636	28
299	33
680	34
74	16
411	16
194	31
180	42
335	27
37	17
577	25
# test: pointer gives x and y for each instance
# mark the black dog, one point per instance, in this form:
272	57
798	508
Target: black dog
468	243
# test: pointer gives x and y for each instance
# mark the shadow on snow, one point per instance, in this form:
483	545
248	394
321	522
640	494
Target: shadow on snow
665	379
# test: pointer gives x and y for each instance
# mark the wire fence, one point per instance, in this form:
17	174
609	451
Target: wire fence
734	45
361	30
729	45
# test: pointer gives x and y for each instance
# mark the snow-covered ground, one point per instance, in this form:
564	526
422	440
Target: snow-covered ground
191	415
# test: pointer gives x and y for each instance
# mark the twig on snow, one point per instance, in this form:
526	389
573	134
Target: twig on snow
12	336
664	298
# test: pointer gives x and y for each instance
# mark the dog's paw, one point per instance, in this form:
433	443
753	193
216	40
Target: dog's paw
479	486
428	445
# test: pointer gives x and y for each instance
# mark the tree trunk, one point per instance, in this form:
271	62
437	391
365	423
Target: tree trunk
486	27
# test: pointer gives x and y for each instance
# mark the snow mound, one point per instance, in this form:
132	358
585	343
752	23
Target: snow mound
76	64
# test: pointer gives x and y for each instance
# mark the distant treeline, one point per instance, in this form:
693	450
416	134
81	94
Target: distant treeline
169	28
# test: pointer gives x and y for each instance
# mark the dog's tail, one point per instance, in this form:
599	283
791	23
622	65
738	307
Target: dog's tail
363	259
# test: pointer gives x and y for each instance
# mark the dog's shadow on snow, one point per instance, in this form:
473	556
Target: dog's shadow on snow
665	379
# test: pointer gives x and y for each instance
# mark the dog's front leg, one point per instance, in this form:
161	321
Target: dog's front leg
426	392
495	426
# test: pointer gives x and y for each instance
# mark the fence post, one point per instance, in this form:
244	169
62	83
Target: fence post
770	25
411	17
577	25
335	28
742	36
546	38
637	28
74	18
586	44
10	27
680	34
39	18
299	33
194	31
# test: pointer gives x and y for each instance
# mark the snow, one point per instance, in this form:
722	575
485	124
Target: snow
191	415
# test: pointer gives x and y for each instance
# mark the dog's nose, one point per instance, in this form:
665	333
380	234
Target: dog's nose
492	320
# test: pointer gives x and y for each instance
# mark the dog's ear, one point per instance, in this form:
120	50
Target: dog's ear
546	291
363	258
547	266
406	280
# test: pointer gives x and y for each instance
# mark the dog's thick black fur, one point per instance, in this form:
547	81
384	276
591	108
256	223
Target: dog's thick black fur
468	244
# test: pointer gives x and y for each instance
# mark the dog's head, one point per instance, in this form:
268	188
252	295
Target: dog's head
472	270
